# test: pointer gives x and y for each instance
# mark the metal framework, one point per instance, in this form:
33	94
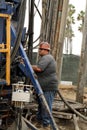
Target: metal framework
5	48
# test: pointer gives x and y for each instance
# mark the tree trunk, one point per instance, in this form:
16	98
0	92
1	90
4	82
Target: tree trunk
54	23
83	63
59	53
59	14
44	19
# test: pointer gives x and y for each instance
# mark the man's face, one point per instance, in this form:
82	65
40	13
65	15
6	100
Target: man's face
43	51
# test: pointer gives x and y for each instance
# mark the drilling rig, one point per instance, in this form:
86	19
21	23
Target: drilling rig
15	66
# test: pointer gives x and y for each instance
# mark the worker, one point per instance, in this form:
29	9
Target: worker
46	73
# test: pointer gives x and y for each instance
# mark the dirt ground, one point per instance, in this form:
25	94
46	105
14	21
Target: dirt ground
69	92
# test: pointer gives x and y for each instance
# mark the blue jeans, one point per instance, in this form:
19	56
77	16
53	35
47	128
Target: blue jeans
42	114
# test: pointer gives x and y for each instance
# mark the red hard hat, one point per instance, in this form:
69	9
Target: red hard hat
44	45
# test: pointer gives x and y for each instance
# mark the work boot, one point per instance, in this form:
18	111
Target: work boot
47	127
38	125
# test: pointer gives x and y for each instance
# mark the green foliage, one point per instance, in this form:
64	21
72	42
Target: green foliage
69	33
69	21
80	18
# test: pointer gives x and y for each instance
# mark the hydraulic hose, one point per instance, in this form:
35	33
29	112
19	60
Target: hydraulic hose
20	28
76	112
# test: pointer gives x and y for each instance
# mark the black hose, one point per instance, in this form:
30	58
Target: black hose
38	11
76	112
19	34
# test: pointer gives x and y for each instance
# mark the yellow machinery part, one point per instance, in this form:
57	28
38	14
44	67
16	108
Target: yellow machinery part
5	48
